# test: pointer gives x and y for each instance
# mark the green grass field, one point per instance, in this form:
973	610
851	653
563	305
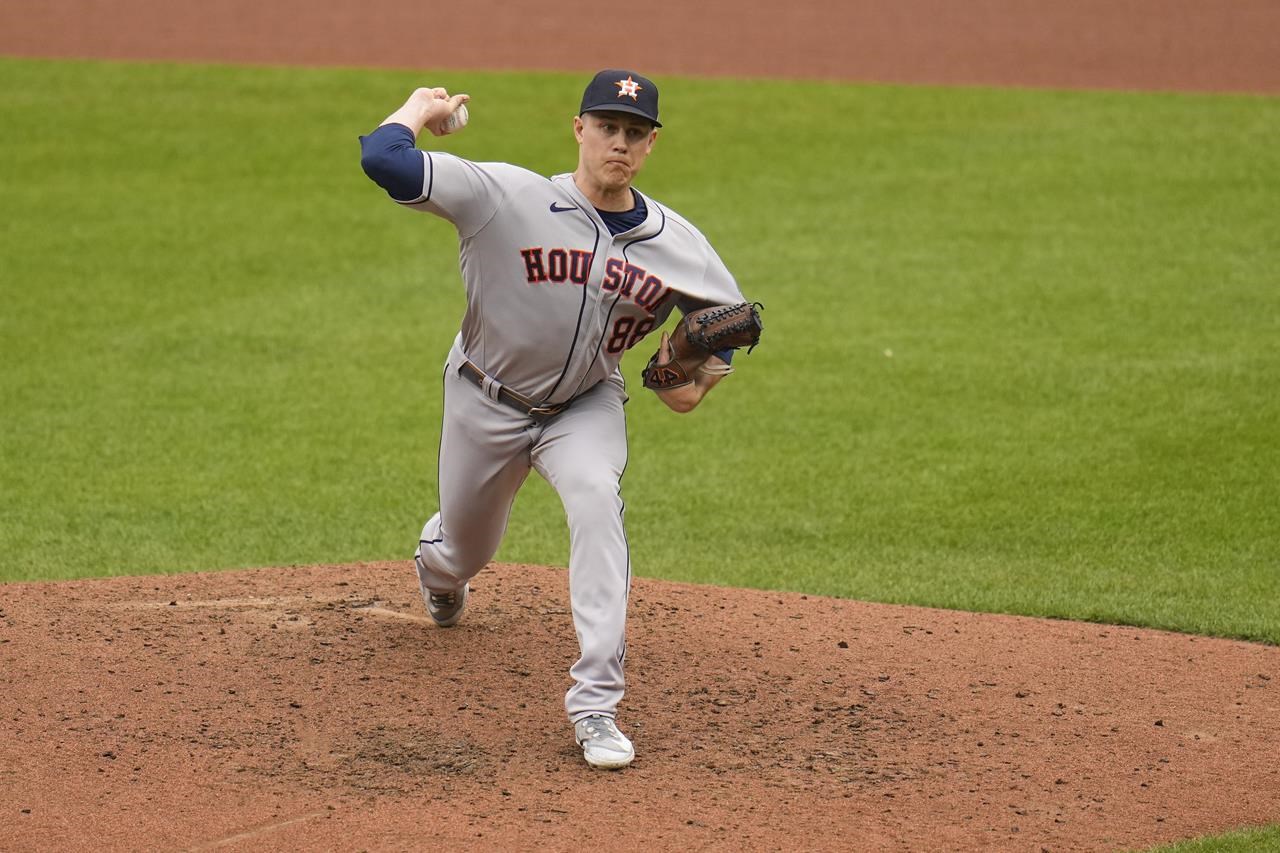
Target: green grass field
1266	840
1022	348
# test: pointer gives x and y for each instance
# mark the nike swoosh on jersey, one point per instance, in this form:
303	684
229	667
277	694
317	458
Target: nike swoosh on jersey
556	209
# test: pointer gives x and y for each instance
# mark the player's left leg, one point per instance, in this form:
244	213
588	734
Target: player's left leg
582	454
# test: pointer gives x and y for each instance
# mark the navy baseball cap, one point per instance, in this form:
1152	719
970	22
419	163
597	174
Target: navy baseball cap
621	91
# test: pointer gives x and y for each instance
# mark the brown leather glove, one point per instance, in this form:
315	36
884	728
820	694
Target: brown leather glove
697	337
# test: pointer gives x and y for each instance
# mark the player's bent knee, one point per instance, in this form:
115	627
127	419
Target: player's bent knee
590	495
453	563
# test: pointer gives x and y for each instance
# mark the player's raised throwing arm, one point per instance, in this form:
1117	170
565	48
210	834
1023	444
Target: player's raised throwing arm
428	108
389	156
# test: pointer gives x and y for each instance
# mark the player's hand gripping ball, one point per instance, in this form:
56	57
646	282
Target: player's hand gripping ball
456	121
699	335
446	113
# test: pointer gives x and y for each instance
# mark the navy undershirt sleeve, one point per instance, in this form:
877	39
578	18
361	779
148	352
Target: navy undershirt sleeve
391	159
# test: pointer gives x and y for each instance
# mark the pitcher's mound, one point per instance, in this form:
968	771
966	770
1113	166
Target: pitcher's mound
319	708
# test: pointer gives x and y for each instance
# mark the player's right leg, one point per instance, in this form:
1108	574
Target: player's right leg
582	453
484	459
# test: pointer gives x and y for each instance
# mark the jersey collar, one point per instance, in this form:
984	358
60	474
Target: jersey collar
652	222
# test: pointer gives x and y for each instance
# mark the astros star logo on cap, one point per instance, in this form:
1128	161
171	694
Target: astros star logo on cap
628	87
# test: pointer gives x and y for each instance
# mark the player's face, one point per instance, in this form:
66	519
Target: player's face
612	147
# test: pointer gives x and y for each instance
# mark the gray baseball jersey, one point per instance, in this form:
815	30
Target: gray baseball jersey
553	301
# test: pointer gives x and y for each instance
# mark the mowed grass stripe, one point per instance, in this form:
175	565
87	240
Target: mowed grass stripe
1020	355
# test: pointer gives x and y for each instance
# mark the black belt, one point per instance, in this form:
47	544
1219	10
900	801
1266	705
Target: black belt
522	404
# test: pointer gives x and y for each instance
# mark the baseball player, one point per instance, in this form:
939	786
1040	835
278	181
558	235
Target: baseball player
563	275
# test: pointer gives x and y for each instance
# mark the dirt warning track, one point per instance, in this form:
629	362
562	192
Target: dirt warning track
1125	44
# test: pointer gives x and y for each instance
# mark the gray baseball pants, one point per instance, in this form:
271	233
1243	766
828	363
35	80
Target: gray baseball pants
486	451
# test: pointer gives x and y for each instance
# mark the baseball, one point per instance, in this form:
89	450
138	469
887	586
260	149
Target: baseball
456	121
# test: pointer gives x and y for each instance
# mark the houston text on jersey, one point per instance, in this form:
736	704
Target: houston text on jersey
557	266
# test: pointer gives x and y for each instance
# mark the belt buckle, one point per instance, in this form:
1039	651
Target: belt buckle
543	412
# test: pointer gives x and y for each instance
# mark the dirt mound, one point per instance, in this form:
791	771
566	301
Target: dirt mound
318	707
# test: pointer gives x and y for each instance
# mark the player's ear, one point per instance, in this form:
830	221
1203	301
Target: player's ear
578	125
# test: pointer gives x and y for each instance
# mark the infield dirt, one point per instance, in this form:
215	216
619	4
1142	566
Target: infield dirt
317	708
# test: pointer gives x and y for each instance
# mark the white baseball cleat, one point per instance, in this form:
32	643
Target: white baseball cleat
602	744
444	607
